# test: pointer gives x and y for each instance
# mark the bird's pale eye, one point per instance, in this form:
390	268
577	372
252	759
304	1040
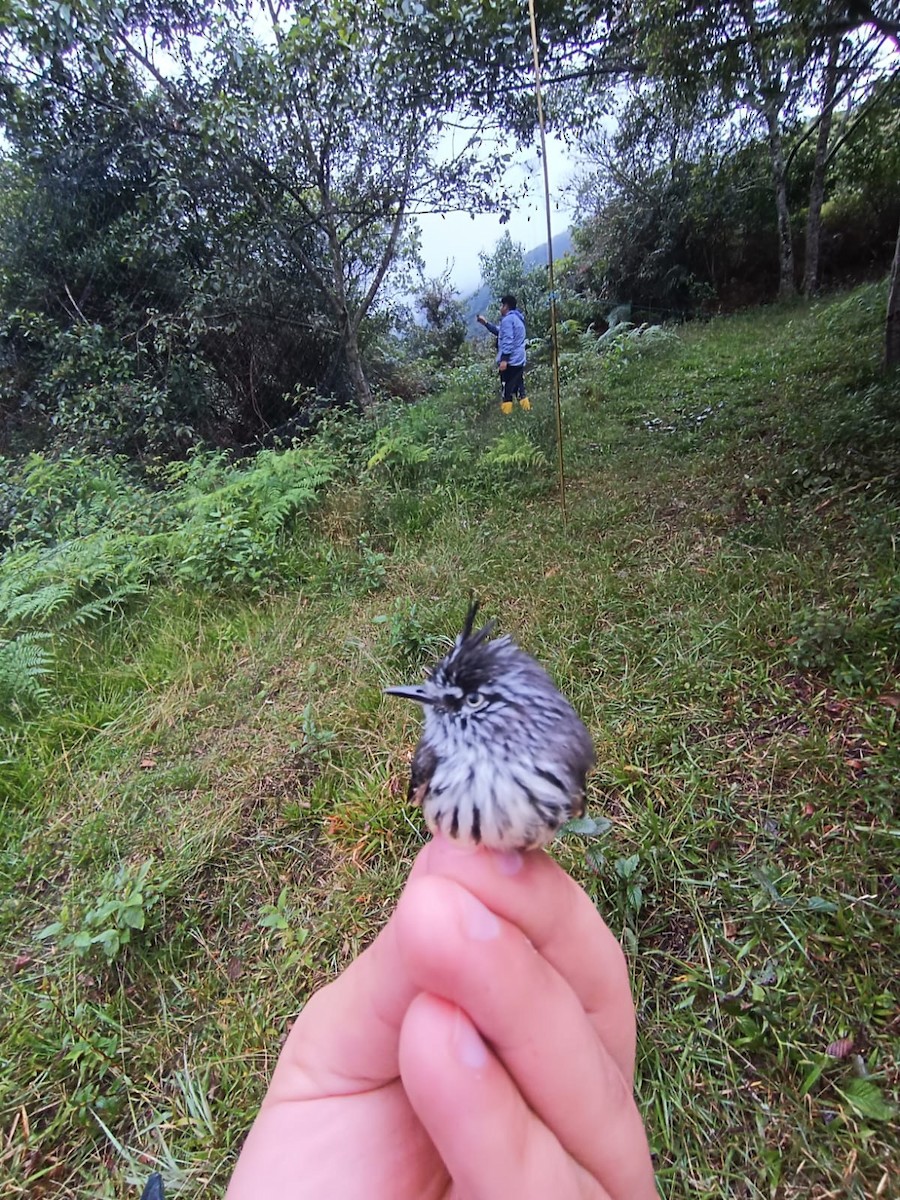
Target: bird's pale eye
473	699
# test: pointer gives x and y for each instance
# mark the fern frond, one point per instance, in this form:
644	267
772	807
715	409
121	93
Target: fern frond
398	448
69	583
39	606
101	606
24	663
512	451
267	494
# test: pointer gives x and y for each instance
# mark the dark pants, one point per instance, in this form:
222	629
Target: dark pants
513	380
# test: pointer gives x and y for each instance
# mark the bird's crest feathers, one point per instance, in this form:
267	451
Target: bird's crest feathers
469	639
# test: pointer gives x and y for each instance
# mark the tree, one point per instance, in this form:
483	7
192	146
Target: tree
845	73
445	321
736	57
325	122
757	62
127	254
817	186
679	226
504	270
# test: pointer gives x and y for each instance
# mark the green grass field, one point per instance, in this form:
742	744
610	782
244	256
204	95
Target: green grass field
203	806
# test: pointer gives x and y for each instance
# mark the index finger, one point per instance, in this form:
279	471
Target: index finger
534	893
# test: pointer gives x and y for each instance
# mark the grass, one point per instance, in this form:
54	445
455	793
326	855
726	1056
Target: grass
721	607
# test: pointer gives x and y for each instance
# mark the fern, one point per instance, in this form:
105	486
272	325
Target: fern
24	663
398	449
39	606
289	483
54	499
637	338
100	606
267	494
73	582
512	452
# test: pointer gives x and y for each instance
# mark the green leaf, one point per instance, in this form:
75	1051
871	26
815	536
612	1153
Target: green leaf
596	860
273	920
812	1076
626	867
111	942
588	826
866	1099
48	931
102	912
133	916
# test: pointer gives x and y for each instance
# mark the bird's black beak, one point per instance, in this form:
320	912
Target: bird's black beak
416	691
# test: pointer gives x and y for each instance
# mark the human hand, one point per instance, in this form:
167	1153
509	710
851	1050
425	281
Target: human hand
482	1047
502	364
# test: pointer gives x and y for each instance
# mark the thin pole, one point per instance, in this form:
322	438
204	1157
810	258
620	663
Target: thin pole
554	335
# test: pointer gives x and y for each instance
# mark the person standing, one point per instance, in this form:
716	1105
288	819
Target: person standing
510	335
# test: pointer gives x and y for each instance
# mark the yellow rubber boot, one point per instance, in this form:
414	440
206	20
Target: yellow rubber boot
525	403
506	407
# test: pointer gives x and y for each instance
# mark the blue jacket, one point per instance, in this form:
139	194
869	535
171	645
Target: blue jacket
510	335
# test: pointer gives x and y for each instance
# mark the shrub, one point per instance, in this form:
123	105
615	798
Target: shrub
112	919
854	648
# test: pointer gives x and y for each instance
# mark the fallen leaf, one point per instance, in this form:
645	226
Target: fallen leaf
147	764
235	969
809	809
891	699
20	962
840	1049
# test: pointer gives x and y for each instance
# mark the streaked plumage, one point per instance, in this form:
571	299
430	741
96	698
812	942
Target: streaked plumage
503	756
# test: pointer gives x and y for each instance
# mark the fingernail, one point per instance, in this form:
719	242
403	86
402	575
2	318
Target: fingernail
509	862
479	922
469	1047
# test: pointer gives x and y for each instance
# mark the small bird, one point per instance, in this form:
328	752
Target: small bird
503	756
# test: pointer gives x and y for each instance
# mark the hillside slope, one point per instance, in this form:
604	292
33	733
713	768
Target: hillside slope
203	814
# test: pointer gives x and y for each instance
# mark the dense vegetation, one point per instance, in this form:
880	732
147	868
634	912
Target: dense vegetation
202	782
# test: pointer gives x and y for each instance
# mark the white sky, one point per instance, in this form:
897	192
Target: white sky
454	240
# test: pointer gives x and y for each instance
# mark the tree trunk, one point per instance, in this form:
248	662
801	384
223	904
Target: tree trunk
817	187
787	287
355	367
892	325
769	103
